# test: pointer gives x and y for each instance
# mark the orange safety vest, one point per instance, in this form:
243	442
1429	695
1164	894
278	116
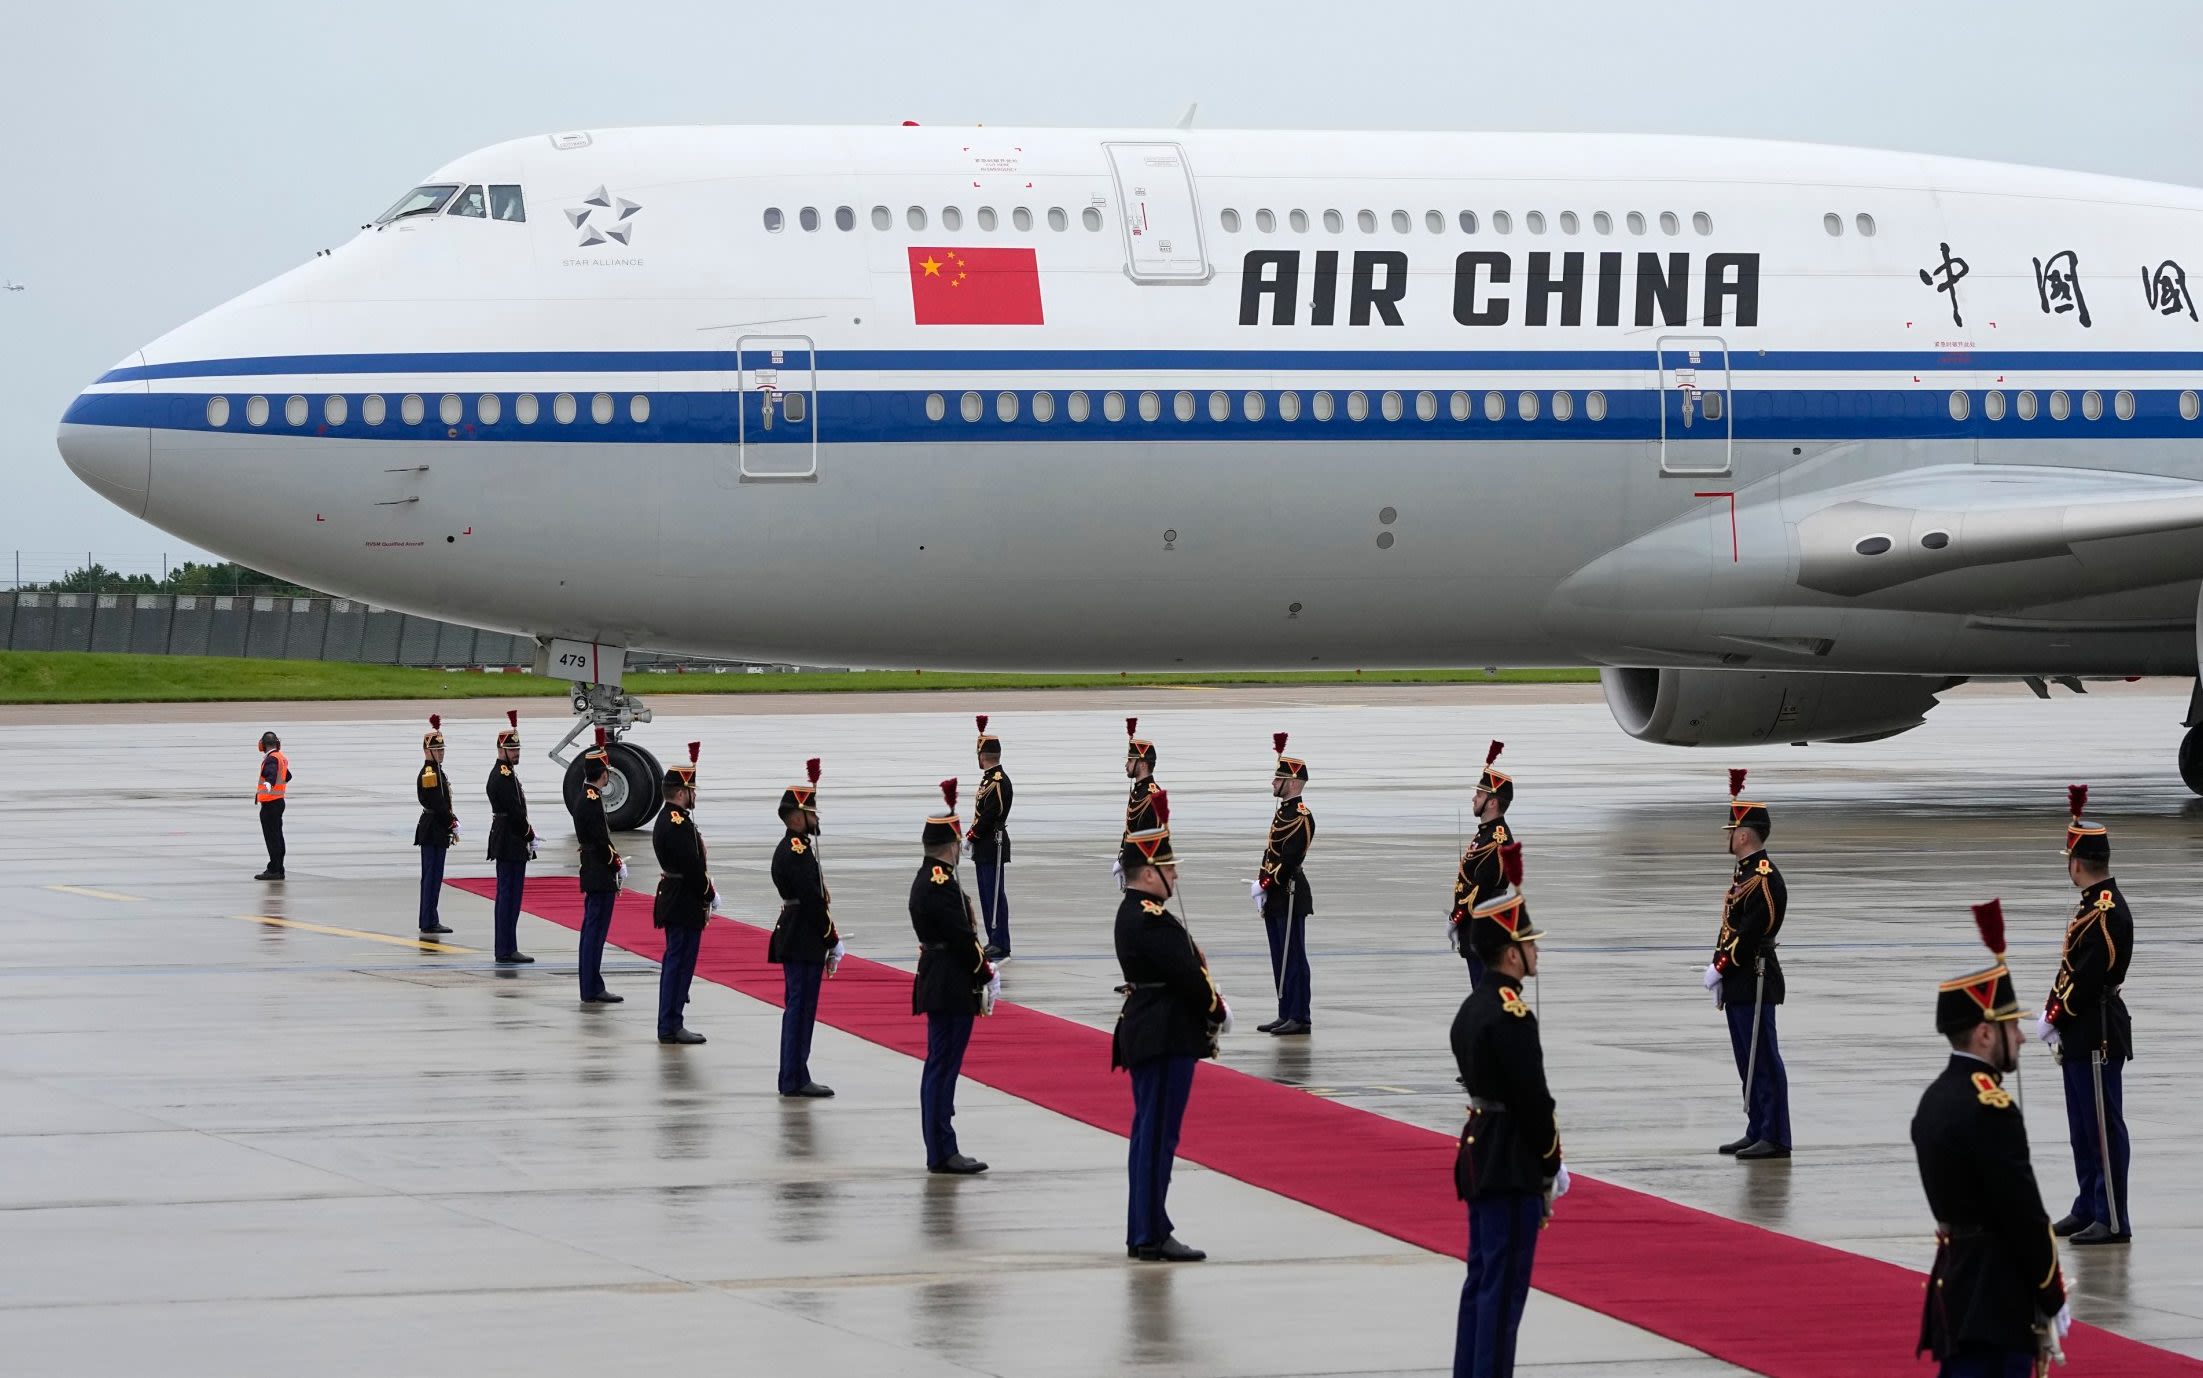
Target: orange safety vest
271	791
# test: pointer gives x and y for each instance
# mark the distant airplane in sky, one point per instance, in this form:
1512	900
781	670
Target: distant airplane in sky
11	286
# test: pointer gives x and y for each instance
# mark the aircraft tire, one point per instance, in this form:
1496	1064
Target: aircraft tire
2191	759
645	787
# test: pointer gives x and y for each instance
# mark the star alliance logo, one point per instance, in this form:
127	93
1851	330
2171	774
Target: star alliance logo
614	225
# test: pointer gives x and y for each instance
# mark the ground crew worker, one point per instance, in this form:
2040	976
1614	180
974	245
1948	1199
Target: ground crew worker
951	984
1508	1165
990	842
2087	1025
685	899
437	828
512	841
1995	1297
1172	1017
602	870
1479	874
268	793
1746	979
804	942
1282	895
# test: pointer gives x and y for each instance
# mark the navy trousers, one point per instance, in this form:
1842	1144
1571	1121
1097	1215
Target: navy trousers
2088	1151
432	883
1503	1242
994	902
596	926
1768	1115
947	1035
1289	961
674	974
511	877
271	832
799	983
1989	1363
1160	1089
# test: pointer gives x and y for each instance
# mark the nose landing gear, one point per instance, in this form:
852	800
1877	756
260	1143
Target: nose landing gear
636	787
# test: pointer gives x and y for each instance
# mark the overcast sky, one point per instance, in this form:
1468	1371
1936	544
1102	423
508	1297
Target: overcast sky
161	158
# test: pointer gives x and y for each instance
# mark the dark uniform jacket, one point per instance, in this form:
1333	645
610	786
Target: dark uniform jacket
2085	1004
684	882
1751	918
1139	807
990	818
600	862
1480	876
509	830
1511	1143
433	788
1996	1262
952	966
1171	1007
805	932
1291	831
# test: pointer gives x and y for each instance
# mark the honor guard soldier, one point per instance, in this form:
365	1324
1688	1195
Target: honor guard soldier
438	826
512	840
950	988
1479	875
2087	1025
1507	1166
1746	978
268	792
602	871
686	897
990	841
1172	1016
1282	895
1995	1298
804	943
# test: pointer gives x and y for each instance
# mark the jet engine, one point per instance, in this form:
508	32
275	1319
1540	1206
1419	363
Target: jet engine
1755	707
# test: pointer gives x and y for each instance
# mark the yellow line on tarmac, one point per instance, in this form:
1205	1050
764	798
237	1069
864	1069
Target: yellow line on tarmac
96	894
420	944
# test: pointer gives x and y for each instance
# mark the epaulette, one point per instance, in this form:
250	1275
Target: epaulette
2105	901
1151	907
795	844
1499	833
428	776
1510	1000
1766	867
673	816
504	769
940	876
1304	808
591	792
1989	1093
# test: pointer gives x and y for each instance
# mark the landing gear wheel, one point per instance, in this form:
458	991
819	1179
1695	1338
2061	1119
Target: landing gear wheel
2191	759
632	791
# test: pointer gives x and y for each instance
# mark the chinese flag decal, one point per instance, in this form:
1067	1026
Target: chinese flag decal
974	287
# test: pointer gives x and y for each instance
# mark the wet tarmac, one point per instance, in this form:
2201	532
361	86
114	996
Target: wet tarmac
255	1128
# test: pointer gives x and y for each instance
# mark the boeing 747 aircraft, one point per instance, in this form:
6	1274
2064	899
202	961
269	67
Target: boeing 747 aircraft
1786	439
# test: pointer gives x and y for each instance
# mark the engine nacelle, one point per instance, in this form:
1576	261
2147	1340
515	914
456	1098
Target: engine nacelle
1757	707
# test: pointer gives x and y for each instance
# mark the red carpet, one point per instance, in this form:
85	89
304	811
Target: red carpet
1635	1257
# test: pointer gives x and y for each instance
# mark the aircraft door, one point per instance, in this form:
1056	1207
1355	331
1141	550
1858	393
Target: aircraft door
1696	431
1160	211
775	409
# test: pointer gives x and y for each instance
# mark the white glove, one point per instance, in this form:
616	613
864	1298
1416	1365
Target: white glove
1561	1182
967	844
1713	977
622	876
2046	1032
833	958
2062	1323
455	830
713	907
1116	871
992	993
1453	934
1256	893
1226	1026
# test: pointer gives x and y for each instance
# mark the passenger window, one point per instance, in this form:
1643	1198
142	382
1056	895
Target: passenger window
1534	222
256	411
1366	221
488	409
1992	406
525	409
1564	406
420	201
2124	404
1833	223
1080	407
882	218
1181	406
1113	406
1710	405
1594	406
987	220
1961	406
951	218
1426	406
1057	220
1005	406
449	409
845	218
1602	222
915	217
1636	222
808	219
1090	218
936	406
1220	407
2092	405
471	204
294	410
600	408
638	407
1866	225
2026	406
334	409
412	410
373	409
1701	222
1468	222
1151	406
218	411
1568	222
1526	406
1458	406
1253	406
1044	406
1390	406
1265	221
1669	224
1021	218
773	220
1230	220
1400	222
1502	223
2191	406
1321	407
1288	406
506	204
1299	221
1495	407
971	408
1334	222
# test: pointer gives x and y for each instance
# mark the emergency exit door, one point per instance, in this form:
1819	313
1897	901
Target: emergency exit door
1696	430
776	420
1160	212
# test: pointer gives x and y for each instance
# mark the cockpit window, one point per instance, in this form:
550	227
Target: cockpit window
420	201
505	204
470	203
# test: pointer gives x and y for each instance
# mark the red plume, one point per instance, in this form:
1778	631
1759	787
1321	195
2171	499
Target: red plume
1131	727
2076	799
1277	742
810	770
1510	862
695	749
948	794
600	736
1736	783
1160	802
436	722
1989	918
1492	754
981	719
512	715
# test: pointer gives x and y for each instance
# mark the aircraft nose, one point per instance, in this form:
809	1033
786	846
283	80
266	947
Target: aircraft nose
103	446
